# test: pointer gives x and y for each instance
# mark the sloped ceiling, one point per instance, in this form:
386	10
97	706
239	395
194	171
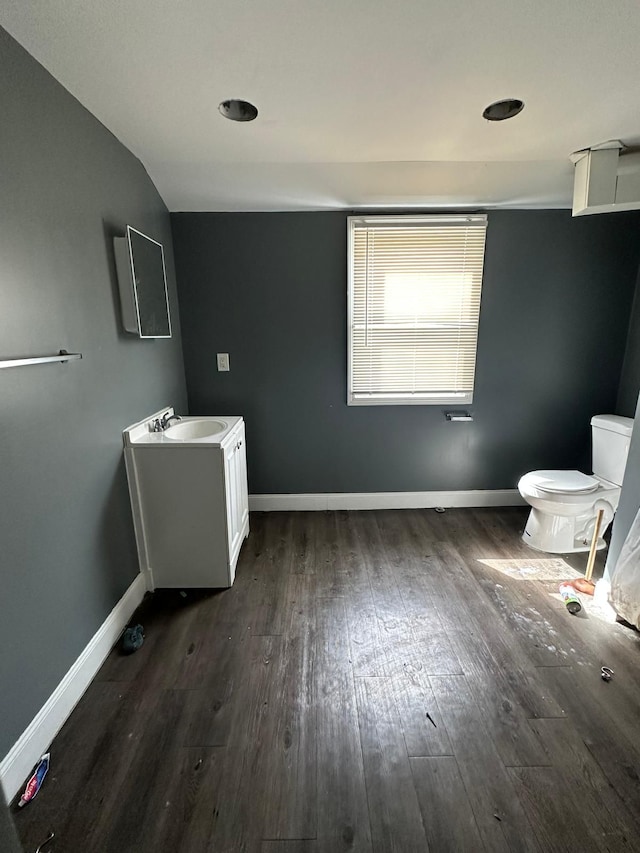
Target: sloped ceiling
361	102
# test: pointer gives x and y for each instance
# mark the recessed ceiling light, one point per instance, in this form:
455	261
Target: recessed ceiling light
502	110
236	110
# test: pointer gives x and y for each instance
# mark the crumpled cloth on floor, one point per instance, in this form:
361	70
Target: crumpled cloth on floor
625	581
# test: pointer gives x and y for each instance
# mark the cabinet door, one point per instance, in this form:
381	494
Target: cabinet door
243	490
234	528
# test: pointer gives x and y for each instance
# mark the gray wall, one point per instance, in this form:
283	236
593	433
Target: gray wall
68	550
270	289
628	406
630	377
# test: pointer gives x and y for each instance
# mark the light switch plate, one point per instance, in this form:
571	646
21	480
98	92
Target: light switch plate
223	361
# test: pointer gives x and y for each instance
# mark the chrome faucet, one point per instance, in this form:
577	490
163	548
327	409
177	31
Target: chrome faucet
166	420
160	424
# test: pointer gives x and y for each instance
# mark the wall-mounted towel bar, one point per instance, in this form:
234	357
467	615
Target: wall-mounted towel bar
63	355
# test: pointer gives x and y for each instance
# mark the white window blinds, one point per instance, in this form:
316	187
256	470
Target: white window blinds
414	305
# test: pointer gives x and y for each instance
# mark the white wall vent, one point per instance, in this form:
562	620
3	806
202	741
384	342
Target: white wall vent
606	179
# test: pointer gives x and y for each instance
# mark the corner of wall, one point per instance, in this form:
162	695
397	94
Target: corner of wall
629	383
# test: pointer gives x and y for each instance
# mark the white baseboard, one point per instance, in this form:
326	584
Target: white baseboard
386	500
34	741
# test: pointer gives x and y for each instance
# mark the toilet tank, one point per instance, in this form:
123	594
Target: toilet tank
611	436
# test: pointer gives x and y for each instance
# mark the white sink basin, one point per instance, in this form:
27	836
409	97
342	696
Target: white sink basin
189	430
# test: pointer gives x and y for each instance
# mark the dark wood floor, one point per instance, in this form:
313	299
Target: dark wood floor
375	681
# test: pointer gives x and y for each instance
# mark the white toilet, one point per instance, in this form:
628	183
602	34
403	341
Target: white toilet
564	504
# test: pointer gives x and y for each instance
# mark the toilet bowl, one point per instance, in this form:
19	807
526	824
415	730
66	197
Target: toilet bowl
564	508
565	504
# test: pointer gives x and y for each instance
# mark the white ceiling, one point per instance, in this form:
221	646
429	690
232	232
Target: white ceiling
362	102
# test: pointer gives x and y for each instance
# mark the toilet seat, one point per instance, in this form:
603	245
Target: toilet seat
536	485
562	482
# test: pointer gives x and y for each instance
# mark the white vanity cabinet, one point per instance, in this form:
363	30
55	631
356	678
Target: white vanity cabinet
189	500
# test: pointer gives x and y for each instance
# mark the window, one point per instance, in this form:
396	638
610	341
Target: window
414	305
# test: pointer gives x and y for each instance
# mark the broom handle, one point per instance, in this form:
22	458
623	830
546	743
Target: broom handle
594	545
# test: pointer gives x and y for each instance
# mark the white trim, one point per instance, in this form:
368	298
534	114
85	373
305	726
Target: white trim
452	399
34	741
386	500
